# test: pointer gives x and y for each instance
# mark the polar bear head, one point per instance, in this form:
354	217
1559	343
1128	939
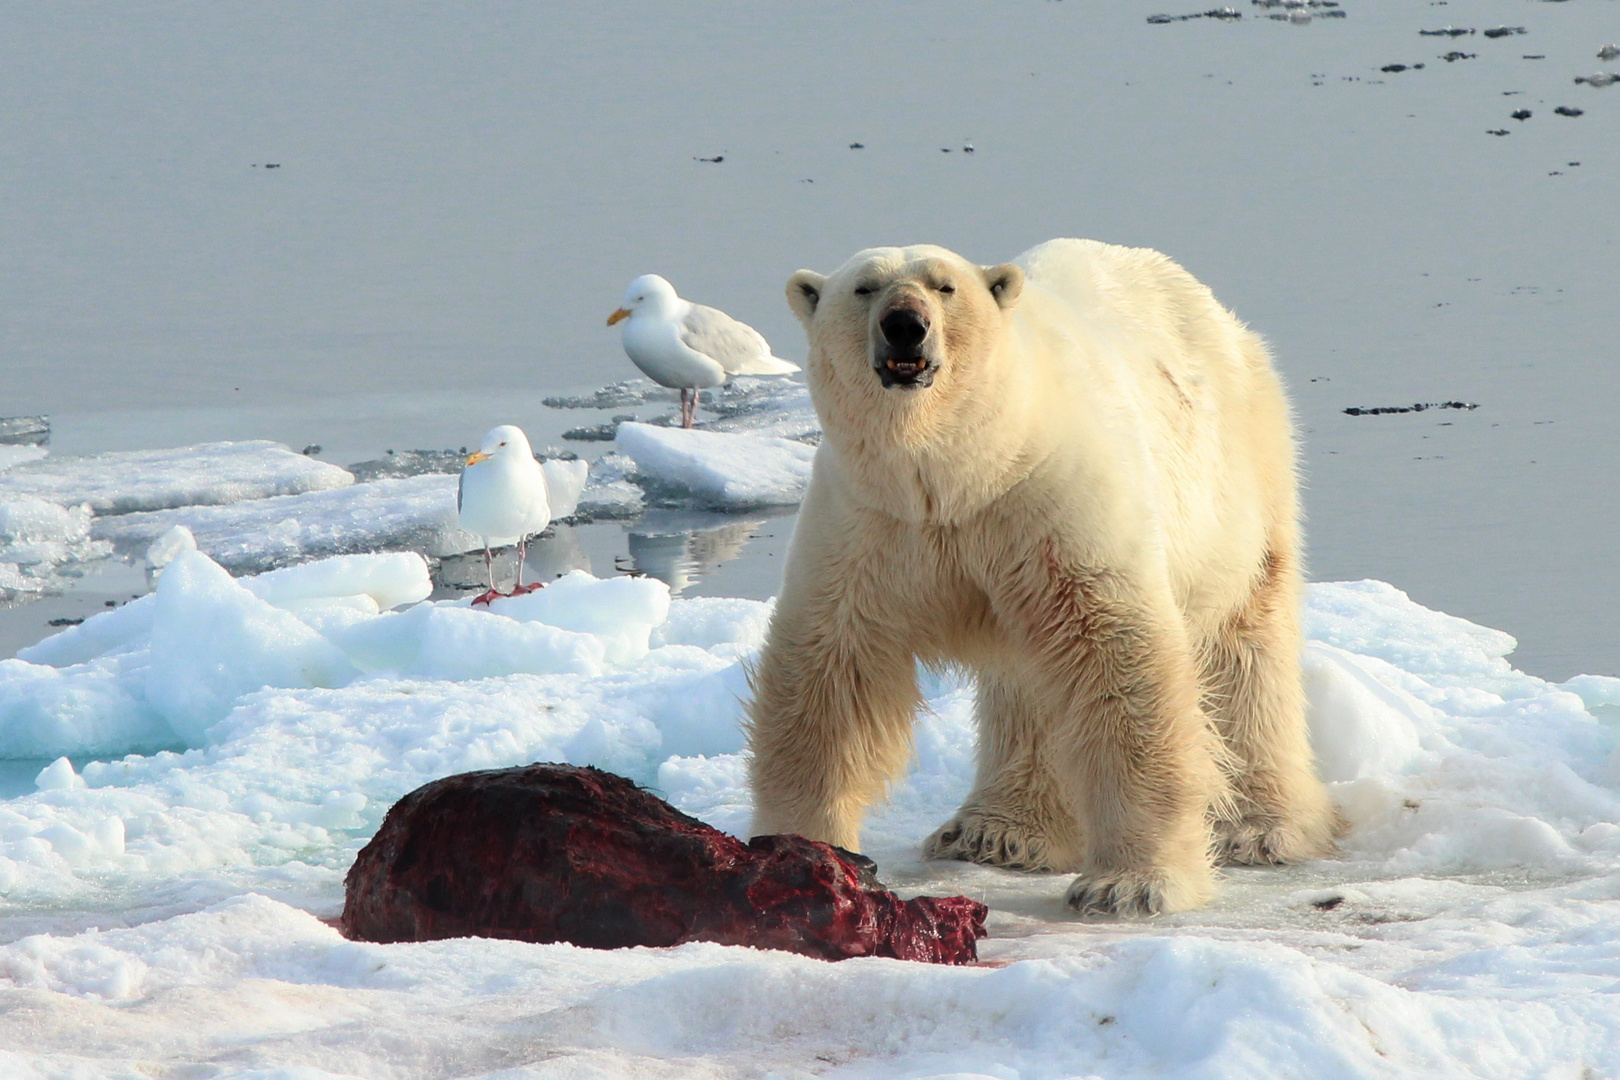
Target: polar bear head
899	321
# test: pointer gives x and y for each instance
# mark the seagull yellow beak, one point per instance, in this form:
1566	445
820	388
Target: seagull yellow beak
618	316
476	456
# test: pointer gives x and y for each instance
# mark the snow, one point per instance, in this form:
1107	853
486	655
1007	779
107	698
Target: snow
204	474
720	471
162	914
415	512
173	900
161	670
15	455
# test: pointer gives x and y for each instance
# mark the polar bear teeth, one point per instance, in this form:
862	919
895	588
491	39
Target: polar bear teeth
907	367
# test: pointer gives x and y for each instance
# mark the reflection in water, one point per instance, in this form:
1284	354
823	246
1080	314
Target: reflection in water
681	547
550	557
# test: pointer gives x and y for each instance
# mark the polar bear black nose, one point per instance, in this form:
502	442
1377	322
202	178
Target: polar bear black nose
903	329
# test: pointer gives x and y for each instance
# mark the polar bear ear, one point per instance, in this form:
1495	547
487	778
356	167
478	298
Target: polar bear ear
1005	283
804	294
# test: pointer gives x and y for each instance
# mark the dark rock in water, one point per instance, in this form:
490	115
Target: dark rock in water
551	853
1446	31
599	432
1521	114
1453	56
1224	14
1499	131
1422	406
1565	110
1505	31
1393	67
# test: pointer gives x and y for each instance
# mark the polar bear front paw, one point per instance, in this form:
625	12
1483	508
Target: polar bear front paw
1253	843
992	840
1136	893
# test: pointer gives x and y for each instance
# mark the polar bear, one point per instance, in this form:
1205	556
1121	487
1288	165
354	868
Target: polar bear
1073	474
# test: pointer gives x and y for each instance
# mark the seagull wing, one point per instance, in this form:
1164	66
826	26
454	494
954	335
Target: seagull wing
736	347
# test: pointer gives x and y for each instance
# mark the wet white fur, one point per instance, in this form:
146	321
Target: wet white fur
1094	507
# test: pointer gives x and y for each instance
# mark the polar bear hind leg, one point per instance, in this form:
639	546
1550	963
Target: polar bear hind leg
1255	696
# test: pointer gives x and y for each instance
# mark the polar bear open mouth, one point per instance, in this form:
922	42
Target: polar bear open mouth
899	351
907	370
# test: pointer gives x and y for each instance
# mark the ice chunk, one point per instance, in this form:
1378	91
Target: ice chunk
444	641
577	624
88	709
763	406
205	474
615	396
213	641
16	455
163	551
416	513
104	633
409	463
388	578
25	430
565	483
715	622
41	542
621	611
733	472
766	407
609	492
158	671
1597	691
59	776
1374	618
1359	726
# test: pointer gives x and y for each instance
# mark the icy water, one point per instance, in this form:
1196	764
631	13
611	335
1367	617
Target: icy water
366	228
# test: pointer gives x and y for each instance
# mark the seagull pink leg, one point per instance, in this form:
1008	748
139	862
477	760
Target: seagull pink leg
521	589
489	572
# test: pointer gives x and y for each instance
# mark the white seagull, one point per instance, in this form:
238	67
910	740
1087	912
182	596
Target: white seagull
687	346
502	500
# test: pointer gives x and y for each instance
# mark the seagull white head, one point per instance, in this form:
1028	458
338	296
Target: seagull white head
649	293
507	440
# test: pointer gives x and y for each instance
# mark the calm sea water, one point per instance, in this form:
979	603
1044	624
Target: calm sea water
459	195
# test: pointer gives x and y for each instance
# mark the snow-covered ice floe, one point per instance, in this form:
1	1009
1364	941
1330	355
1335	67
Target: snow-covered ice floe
47	503
205	474
40	542
415	512
164	911
770	406
719	471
